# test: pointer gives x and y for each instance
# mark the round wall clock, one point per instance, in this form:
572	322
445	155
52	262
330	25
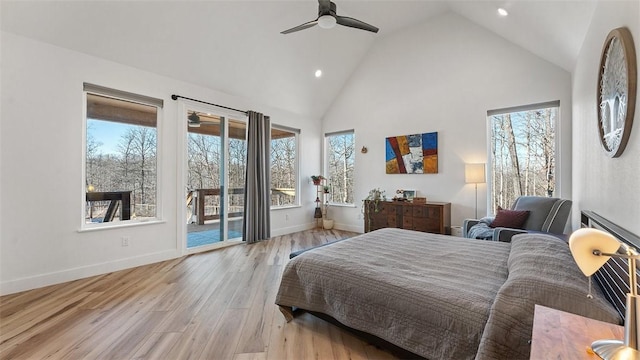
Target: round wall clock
617	78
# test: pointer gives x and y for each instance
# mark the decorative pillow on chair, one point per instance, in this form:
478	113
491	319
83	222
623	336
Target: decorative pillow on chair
510	218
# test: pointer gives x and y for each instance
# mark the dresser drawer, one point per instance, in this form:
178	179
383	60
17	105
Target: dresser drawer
427	225
407	210
433	212
419	211
407	222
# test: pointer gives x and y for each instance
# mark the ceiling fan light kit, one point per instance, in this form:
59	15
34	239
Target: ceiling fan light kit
328	18
327	21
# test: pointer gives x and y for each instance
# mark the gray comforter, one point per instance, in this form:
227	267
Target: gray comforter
440	297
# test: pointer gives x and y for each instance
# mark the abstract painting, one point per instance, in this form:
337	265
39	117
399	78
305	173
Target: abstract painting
412	154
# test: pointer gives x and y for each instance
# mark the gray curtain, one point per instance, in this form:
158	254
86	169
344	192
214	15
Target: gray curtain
257	194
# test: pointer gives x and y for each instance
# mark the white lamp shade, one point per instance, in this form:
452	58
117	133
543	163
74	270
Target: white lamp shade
326	21
474	173
584	242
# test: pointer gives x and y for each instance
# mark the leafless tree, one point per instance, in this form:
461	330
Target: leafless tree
283	171
523	155
131	167
204	161
341	159
92	167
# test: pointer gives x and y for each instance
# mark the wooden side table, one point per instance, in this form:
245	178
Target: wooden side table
562	335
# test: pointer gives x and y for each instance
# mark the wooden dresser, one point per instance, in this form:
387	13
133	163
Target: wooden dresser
433	217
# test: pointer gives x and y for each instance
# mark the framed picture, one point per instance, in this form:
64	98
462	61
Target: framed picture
409	194
412	154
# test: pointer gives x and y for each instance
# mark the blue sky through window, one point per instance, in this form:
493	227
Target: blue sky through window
107	133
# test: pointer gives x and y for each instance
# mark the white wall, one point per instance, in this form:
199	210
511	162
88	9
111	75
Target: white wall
41	157
441	76
610	187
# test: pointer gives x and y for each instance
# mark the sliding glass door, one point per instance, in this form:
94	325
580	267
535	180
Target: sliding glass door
216	158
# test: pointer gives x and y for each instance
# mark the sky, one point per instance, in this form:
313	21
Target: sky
108	133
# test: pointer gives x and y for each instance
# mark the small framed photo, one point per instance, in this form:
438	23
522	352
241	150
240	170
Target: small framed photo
408	194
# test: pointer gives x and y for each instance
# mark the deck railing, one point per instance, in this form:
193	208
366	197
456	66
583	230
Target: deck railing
109	202
201	196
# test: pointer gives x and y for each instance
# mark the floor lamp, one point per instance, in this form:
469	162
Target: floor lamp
474	174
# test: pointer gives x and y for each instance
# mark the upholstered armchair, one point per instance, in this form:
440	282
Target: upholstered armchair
546	215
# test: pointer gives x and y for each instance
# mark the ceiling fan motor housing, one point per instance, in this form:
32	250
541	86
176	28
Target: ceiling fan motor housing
331	11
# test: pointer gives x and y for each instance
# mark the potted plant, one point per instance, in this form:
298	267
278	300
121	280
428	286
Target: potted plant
317	179
375	196
326	189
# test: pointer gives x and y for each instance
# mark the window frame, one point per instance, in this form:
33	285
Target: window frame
326	163
296	132
556	143
130	97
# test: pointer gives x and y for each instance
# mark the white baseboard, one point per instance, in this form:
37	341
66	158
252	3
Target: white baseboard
34	282
292	229
58	277
309	226
348	227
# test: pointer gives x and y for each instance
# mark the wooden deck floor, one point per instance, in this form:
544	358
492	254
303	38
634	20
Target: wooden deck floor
234	224
215	305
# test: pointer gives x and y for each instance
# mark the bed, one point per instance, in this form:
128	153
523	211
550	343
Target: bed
437	296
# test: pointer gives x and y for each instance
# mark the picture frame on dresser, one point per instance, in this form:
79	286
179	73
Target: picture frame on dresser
409	194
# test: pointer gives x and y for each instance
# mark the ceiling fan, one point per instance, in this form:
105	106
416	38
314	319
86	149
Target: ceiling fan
327	18
194	120
197	119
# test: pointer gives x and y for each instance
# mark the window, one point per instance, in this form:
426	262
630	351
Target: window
284	166
339	162
121	176
522	152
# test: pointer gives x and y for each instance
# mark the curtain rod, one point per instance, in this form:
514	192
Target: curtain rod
175	97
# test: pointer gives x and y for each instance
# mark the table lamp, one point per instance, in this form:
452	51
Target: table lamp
592	248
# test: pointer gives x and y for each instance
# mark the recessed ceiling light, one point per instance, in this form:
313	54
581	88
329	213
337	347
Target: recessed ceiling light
318	73
502	12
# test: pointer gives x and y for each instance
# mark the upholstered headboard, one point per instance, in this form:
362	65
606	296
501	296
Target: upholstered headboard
613	277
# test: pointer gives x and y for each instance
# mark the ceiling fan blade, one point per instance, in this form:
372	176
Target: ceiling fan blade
301	27
354	23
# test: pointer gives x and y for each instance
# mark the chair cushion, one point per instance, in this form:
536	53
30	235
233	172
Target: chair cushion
510	218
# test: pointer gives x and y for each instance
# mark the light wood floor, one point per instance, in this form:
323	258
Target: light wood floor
215	305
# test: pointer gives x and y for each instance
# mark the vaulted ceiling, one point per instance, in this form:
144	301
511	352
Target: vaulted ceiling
236	46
